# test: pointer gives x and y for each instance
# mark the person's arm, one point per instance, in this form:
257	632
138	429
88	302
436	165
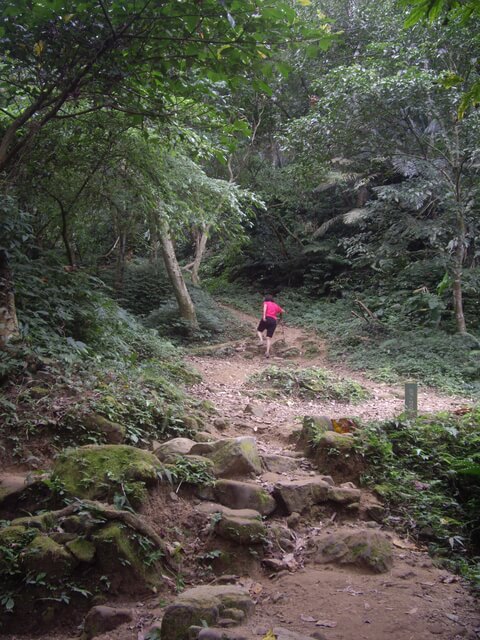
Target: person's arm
264	317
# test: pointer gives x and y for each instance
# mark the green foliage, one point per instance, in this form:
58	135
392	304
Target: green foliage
189	471
145	286
215	323
394	349
427	471
309	383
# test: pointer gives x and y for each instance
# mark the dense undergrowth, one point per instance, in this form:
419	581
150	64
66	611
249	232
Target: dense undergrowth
79	353
428	472
388	345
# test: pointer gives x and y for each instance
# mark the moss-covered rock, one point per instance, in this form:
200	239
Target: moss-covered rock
12	540
244	495
82	549
111	432
236	457
364	548
167	451
101	619
101	471
313	427
121	557
200	605
44	555
44	521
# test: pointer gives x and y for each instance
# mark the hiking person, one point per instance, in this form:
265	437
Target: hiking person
269	321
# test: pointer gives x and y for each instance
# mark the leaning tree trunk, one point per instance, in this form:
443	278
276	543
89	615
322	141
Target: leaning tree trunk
120	267
185	304
8	312
201	237
457	286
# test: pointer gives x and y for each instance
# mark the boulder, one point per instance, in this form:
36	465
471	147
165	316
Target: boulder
203	448
243	495
343	495
299	495
242	526
241	529
101	619
101	471
168	451
313	427
279	464
281	633
44	555
11	486
202	605
342	442
81	549
120	556
235	457
364	548
111	432
254	410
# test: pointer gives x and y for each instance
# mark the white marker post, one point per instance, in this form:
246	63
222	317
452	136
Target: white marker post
411	399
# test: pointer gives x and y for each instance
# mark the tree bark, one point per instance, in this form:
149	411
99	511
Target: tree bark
8	312
184	301
201	237
120	268
66	240
457	284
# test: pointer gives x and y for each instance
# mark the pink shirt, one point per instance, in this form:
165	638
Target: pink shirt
271	309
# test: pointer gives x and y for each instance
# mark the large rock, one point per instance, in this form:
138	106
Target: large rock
242	526
203	605
44	555
299	495
168	451
235	457
244	495
242	529
279	464
11	486
344	495
111	432
101	471
281	633
364	548
101	619
121	557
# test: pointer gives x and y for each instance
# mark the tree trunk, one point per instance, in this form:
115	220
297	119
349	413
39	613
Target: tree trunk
120	268
185	304
201	237
66	241
8	312
457	286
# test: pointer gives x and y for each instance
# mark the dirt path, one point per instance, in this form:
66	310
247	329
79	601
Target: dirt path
415	601
225	383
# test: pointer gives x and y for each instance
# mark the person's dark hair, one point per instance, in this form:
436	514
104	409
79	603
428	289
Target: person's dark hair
268	299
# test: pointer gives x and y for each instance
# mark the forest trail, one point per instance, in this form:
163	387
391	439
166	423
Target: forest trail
415	600
226	371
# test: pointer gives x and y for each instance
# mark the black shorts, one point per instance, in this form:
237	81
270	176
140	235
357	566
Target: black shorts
270	324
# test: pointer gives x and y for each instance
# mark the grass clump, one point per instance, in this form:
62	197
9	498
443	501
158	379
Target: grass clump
312	382
428	472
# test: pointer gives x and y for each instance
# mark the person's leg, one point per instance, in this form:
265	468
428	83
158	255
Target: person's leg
271	326
260	329
269	344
